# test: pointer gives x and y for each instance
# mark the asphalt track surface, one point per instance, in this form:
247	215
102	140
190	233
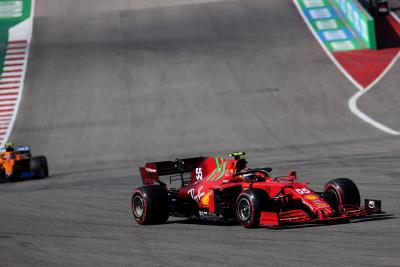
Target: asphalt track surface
378	96
111	86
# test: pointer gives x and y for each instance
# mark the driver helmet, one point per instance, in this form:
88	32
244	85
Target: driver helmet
9	147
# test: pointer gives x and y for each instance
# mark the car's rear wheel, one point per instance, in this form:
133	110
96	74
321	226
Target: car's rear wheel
340	193
138	206
39	166
150	204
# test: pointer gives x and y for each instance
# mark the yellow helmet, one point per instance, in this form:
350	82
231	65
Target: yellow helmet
9	147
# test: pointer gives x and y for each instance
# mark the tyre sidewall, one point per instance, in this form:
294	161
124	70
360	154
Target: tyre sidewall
44	166
155	204
39	166
255	208
144	217
346	191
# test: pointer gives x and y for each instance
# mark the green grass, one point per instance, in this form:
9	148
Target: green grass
7	22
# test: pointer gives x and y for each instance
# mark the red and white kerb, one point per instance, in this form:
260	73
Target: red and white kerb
11	82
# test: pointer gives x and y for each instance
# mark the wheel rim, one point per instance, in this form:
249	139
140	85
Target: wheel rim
244	210
138	206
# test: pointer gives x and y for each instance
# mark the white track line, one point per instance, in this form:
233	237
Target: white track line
394	15
17	62
361	90
353	100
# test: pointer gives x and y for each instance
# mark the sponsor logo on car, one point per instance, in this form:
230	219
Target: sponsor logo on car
150	170
311	197
371	204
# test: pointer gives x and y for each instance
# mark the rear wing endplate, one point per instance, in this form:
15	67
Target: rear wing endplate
152	171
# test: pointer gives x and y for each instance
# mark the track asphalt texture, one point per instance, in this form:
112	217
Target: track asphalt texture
107	91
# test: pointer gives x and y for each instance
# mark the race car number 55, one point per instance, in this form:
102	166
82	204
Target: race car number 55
199	174
302	191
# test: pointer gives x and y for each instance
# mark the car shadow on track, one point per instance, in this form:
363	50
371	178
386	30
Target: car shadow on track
196	221
375	217
22	180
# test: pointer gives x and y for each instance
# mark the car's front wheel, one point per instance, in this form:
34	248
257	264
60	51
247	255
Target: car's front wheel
342	192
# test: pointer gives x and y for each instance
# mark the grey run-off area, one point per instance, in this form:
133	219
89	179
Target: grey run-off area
114	84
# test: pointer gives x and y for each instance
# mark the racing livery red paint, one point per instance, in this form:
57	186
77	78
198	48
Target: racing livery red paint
226	189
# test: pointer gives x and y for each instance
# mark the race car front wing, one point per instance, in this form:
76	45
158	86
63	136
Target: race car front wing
371	206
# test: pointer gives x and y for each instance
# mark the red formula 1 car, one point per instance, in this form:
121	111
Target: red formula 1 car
226	189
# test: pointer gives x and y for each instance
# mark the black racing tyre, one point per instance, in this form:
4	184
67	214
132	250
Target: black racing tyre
150	204
249	205
39	166
341	192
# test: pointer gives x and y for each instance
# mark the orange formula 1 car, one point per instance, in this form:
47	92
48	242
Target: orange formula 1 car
17	163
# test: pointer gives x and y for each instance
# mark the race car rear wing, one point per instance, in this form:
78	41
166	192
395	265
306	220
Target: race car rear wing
152	171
